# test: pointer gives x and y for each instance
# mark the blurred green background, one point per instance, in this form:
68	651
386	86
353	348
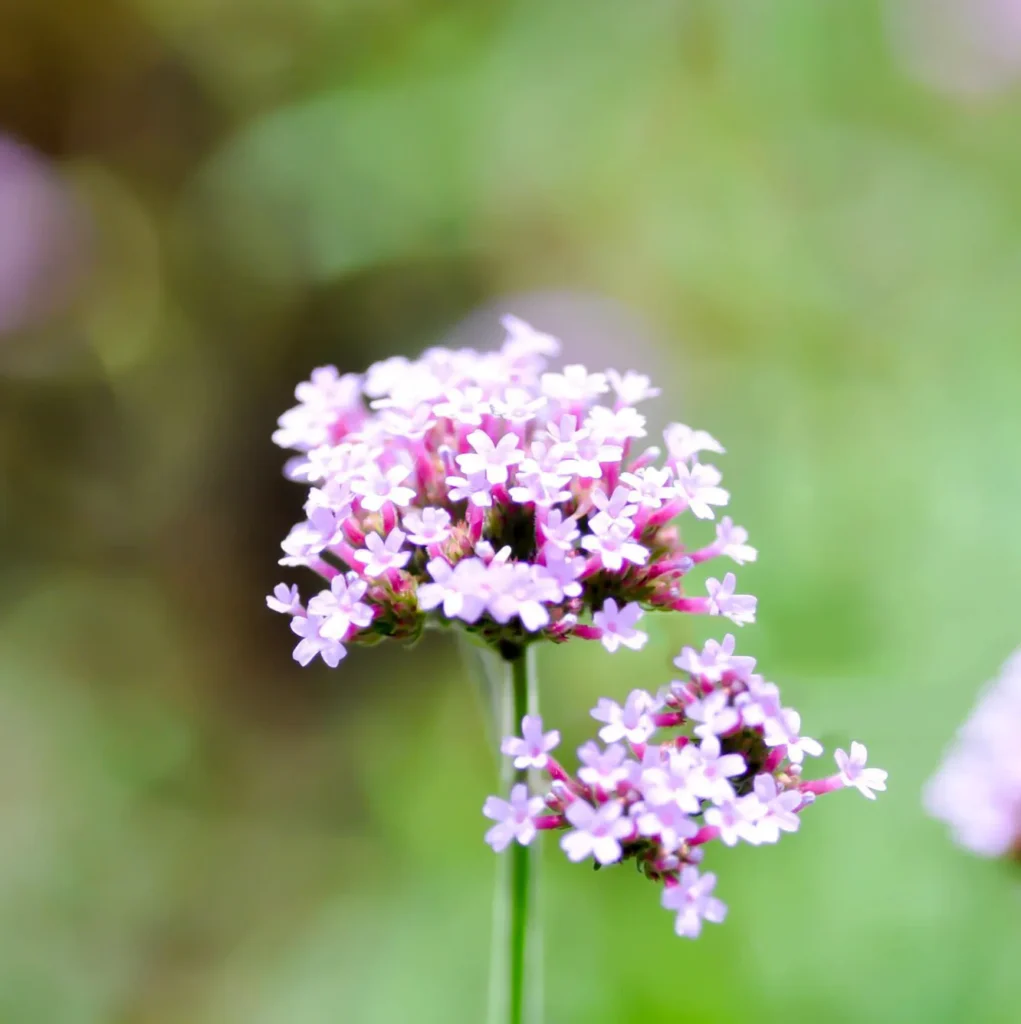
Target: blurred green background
814	249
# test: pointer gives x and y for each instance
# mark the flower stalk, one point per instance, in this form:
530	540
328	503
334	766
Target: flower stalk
515	990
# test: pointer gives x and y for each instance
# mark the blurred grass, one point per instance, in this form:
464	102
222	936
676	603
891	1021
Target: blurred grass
194	829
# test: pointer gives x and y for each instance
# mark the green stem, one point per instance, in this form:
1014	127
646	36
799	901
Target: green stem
516	971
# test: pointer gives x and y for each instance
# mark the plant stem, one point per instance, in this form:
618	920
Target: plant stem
515	995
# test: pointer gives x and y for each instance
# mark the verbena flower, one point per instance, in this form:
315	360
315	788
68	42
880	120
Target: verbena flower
713	756
977	788
488	491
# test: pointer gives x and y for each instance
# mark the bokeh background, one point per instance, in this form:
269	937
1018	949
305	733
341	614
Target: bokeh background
802	217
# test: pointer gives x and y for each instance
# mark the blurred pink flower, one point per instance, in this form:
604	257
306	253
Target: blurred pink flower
40	238
963	47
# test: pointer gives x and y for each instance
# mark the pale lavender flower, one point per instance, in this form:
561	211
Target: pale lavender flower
732	542
382	556
602	767
524	591
683	443
341	607
430	526
493	460
699	486
631	388
597	831
737	818
632	722
711	778
530	749
466	407
716	660
668	821
616	512
650	487
617	625
514	818
623	424
739	608
560	531
714	713
615	547
518	406
475	488
284	599
379	486
692	900
574	385
854	773
313	643
786	731
780	807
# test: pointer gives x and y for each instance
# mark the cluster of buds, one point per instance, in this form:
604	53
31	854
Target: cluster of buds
481	490
714	756
977	789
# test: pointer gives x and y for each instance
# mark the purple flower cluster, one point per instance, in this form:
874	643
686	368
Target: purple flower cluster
713	756
977	788
482	489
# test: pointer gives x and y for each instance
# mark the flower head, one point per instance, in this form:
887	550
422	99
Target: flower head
418	465
671	780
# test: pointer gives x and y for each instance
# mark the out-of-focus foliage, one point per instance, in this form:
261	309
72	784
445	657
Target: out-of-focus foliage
193	829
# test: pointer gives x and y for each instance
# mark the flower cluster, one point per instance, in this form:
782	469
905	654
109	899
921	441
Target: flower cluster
484	490
714	755
977	789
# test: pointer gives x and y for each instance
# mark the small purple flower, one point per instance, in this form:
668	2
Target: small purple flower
617	625
699	486
382	556
650	487
379	486
466	407
489	459
430	526
616	512
597	832
632	722
284	599
474	488
732	542
575	384
739	608
523	591
714	713
711	780
530	750
631	388
312	642
683	443
693	902
340	608
614	548
781	807
854	773
737	819
603	768
715	661
669	822
514	818
564	571
786	731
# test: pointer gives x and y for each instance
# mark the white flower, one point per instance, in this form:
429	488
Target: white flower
617	625
514	818
854	773
597	832
632	722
